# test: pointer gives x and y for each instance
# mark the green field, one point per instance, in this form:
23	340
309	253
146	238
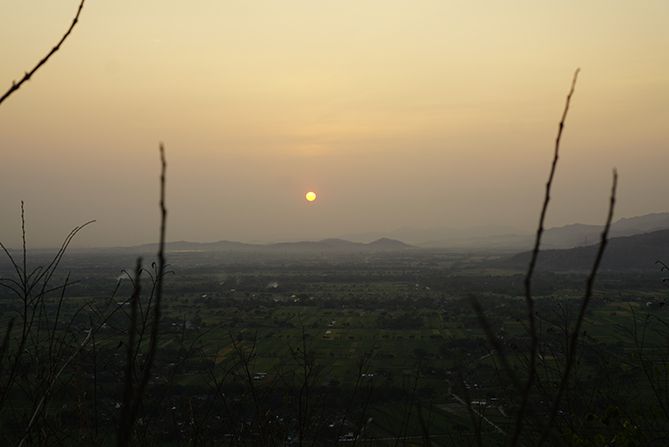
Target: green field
352	351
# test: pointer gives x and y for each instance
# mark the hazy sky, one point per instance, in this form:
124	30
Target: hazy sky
397	112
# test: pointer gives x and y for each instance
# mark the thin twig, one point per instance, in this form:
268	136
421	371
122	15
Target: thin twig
5	342
529	300
125	427
50	386
24	290
26	77
153	341
573	340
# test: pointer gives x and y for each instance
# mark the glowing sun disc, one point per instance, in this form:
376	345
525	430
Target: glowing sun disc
310	196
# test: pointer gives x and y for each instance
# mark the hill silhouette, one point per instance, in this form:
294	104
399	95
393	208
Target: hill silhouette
577	235
497	237
637	252
331	245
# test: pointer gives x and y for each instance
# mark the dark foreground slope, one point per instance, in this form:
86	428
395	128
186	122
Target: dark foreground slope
583	235
638	252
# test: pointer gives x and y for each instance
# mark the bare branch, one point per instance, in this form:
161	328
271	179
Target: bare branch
5	342
126	429
26	77
573	340
534	341
47	392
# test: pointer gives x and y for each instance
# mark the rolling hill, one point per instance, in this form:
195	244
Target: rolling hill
637	252
576	235
321	246
501	238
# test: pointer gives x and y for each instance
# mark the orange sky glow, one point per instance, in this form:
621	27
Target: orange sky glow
405	113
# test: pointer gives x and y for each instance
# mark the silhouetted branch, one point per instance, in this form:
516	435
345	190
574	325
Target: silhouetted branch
26	77
5	342
57	317
573	339
153	342
126	428
663	268
23	286
529	300
47	392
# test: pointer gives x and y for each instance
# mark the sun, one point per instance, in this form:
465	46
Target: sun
310	196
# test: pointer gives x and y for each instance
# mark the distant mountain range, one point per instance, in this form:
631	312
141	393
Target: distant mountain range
582	235
322	246
474	239
447	237
494	237
637	252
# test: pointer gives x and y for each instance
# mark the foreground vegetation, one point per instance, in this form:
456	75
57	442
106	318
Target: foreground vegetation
380	350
